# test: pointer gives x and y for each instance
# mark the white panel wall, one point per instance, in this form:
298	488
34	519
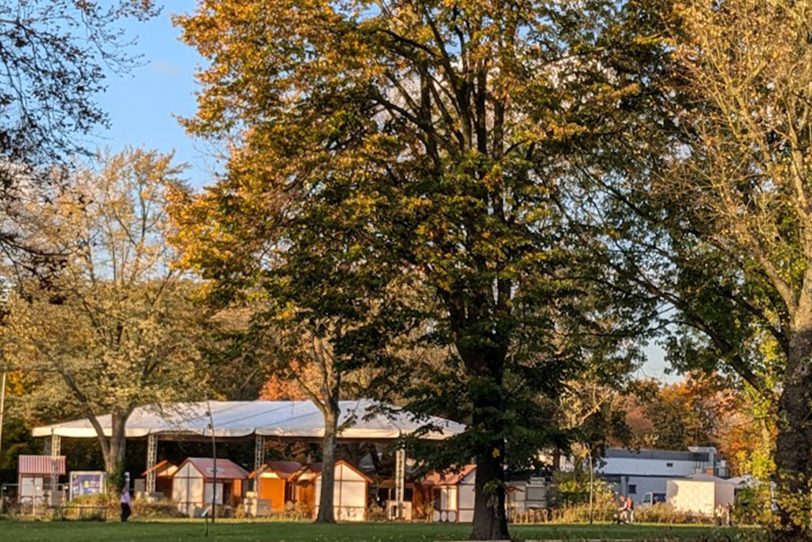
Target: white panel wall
187	489
465	516
196	489
349	495
724	493
466	493
452	498
353	494
692	496
178	490
207	493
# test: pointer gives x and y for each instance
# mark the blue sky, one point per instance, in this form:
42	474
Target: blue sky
144	105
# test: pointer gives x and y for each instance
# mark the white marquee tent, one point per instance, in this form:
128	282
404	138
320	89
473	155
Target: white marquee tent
363	419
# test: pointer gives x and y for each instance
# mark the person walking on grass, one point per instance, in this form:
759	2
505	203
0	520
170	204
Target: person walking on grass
126	502
621	514
629	510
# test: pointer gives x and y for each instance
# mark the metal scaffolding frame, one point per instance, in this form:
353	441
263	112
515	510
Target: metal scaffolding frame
152	460
400	479
259	459
55	449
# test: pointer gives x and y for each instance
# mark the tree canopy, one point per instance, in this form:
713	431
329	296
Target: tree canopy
727	215
54	57
448	149
115	326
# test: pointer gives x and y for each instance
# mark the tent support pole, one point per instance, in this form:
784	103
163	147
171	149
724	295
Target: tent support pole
400	479
152	459
259	459
56	449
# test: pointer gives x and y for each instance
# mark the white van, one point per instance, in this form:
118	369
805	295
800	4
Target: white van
652	498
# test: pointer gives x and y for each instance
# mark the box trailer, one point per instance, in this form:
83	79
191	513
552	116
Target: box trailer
700	494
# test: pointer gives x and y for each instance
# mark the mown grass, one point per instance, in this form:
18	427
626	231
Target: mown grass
248	531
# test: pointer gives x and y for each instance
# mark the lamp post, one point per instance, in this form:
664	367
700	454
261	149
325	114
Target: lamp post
214	463
2	408
591	499
2	411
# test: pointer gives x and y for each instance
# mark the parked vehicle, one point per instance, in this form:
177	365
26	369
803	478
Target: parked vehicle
652	498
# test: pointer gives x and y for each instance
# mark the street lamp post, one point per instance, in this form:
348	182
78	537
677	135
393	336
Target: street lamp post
214	464
2	408
591	499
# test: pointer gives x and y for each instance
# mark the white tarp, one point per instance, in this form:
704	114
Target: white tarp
295	419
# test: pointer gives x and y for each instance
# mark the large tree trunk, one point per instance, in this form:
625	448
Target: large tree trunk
490	518
114	460
113	447
793	456
326	513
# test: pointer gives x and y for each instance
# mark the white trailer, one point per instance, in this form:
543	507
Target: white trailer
700	494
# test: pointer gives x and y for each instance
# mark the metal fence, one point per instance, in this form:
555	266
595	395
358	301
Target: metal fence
37	505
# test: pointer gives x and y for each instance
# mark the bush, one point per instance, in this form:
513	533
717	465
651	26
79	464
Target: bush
376	513
156	509
665	513
580	513
606	511
753	505
104	506
89	508
571	489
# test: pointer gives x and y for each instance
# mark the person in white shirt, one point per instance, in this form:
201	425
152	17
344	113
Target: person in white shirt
126	501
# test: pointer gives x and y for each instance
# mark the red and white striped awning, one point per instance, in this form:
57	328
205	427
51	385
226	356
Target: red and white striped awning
40	464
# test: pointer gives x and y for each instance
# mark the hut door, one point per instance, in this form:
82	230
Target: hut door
218	497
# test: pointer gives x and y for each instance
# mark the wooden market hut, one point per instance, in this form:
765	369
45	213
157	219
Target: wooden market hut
350	492
413	499
227	421
35	475
194	481
304	488
274	483
164	471
452	494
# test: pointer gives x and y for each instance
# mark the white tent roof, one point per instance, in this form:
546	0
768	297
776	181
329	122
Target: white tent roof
294	419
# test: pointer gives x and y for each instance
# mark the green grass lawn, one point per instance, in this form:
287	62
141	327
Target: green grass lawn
241	531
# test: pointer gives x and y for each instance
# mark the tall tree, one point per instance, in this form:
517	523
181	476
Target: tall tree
445	142
735	205
296	325
116	325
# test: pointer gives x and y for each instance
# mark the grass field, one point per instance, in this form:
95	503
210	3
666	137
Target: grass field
234	531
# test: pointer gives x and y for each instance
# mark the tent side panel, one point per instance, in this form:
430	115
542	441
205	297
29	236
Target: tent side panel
465	507
353	500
